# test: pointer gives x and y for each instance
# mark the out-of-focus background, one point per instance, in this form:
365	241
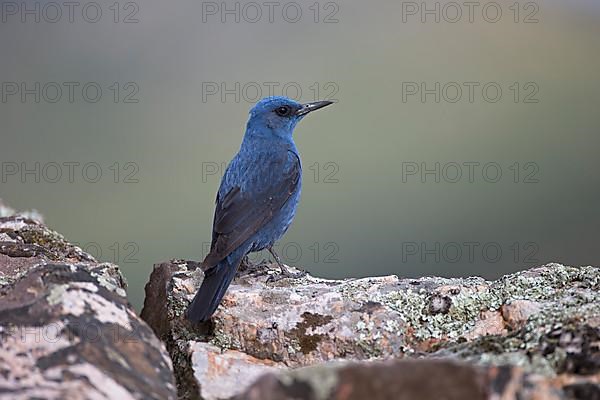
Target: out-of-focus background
465	139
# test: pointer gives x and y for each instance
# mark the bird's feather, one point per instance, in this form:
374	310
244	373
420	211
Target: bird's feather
240	213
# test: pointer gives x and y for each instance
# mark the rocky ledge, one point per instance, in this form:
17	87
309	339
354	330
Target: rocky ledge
66	328
68	332
529	335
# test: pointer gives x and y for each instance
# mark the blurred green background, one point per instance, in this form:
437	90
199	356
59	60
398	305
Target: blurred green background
363	211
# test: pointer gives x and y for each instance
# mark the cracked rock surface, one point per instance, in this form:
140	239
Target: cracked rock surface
66	328
534	334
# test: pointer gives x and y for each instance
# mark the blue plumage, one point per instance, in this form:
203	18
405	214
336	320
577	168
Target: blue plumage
257	199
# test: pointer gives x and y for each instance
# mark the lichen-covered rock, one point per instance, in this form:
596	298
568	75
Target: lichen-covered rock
545	320
402	380
66	328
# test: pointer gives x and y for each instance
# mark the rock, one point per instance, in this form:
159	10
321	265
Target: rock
66	328
401	380
6	211
226	370
517	312
541	323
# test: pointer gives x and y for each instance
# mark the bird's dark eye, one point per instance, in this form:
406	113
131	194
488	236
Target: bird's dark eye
283	111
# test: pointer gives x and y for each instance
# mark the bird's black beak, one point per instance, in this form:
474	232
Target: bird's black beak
310	107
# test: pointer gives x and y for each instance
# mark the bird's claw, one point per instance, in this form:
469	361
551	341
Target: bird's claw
248	268
285	274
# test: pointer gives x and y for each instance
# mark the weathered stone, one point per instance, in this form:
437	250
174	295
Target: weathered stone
517	312
66	328
517	320
163	310
401	380
227	370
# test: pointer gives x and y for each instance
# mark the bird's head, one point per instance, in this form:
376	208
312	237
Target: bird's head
278	116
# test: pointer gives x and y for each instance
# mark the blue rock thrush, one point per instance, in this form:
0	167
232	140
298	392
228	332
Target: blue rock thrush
257	199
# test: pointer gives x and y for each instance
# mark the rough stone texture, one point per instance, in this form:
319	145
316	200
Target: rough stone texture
402	380
543	324
227	370
66	328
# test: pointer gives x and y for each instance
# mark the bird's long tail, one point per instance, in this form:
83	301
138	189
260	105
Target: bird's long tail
216	281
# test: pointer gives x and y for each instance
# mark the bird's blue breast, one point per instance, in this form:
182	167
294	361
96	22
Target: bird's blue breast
282	219
256	167
279	224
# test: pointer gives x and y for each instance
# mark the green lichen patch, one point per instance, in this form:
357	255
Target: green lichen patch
450	316
34	239
301	322
109	276
556	340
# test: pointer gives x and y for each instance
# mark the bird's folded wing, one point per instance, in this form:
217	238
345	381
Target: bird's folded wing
239	215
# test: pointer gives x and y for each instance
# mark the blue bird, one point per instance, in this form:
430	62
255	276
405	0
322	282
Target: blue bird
257	199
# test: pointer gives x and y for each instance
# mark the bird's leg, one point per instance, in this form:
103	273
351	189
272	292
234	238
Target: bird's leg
285	273
247	267
246	263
